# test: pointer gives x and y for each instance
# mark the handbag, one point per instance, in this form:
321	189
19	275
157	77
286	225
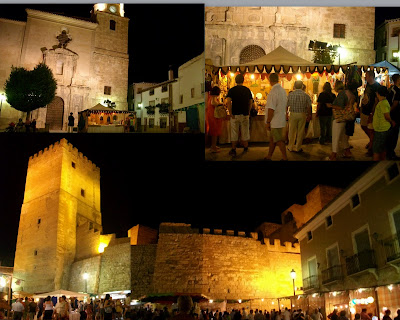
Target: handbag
220	112
347	114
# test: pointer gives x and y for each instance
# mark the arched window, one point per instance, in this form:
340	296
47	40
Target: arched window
251	53
112	24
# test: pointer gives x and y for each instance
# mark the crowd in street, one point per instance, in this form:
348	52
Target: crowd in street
109	309
287	116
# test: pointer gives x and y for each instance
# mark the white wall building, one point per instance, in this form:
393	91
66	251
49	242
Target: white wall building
185	96
388	42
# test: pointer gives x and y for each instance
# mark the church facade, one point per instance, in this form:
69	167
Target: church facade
88	57
236	35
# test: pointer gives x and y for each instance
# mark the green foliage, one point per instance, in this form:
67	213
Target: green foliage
151	109
29	90
324	54
164	108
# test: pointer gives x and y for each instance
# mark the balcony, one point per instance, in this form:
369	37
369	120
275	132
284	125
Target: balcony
310	283
332	274
359	262
392	247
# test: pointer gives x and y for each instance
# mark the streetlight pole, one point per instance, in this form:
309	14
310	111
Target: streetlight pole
293	276
85	277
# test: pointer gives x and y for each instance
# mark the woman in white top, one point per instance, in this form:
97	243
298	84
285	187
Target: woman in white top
48	308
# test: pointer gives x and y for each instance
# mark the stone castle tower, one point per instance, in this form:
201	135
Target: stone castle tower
62	192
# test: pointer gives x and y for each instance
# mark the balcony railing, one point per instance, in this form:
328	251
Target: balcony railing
332	274
392	247
310	283
360	262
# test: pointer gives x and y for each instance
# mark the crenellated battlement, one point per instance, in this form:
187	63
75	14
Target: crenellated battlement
275	245
58	146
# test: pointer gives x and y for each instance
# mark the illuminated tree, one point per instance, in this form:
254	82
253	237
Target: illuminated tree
29	90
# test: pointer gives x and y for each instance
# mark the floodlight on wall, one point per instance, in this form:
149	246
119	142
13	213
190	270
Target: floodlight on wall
85	276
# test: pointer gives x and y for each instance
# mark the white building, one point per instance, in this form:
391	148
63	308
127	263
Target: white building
183	95
388	42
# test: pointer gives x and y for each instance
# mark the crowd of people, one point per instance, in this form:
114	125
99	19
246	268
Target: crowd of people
378	109
109	309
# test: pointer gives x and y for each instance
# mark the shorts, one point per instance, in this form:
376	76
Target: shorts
278	134
241	121
379	142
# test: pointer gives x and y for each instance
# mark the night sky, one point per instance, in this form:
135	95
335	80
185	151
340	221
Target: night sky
159	35
148	179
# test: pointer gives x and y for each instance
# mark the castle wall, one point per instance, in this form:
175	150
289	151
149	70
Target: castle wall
143	259
142	235
91	266
115	273
88	241
223	266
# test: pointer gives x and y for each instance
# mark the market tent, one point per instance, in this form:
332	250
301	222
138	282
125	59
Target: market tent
100	108
60	293
386	64
169	298
281	60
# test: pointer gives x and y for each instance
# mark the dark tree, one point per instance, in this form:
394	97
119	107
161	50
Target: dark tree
29	90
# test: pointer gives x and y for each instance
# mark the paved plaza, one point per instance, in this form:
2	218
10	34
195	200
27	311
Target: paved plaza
312	151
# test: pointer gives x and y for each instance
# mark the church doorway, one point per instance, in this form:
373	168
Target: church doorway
55	114
251	53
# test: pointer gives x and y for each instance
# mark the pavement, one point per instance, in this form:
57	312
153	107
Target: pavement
312	151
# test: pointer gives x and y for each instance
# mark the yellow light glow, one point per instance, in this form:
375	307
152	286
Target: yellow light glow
396	54
263	300
353	310
231	74
3	282
85	276
390	287
102	246
101	6
299	76
273	302
240	301
252	76
211	301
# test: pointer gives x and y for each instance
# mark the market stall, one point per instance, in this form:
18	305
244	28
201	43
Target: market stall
290	68
101	119
60	293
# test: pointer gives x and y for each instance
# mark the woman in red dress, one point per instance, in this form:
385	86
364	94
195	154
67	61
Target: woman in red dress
213	125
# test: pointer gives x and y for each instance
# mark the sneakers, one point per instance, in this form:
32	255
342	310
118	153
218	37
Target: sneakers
232	152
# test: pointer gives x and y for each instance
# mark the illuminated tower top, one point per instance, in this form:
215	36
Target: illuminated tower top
113	8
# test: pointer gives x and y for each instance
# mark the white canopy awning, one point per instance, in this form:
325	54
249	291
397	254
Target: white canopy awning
60	293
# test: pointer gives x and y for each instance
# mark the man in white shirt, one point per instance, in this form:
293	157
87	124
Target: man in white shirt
18	309
286	314
275	117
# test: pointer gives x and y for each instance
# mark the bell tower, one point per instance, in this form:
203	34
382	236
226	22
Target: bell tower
111	59
62	191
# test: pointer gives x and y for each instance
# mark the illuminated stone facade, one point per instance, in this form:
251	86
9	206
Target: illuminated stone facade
60	239
62	193
237	34
91	68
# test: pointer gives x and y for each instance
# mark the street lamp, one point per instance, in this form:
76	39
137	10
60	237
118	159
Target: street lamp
293	276
85	277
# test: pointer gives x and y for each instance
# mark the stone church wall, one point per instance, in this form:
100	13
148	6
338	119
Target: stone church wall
230	29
